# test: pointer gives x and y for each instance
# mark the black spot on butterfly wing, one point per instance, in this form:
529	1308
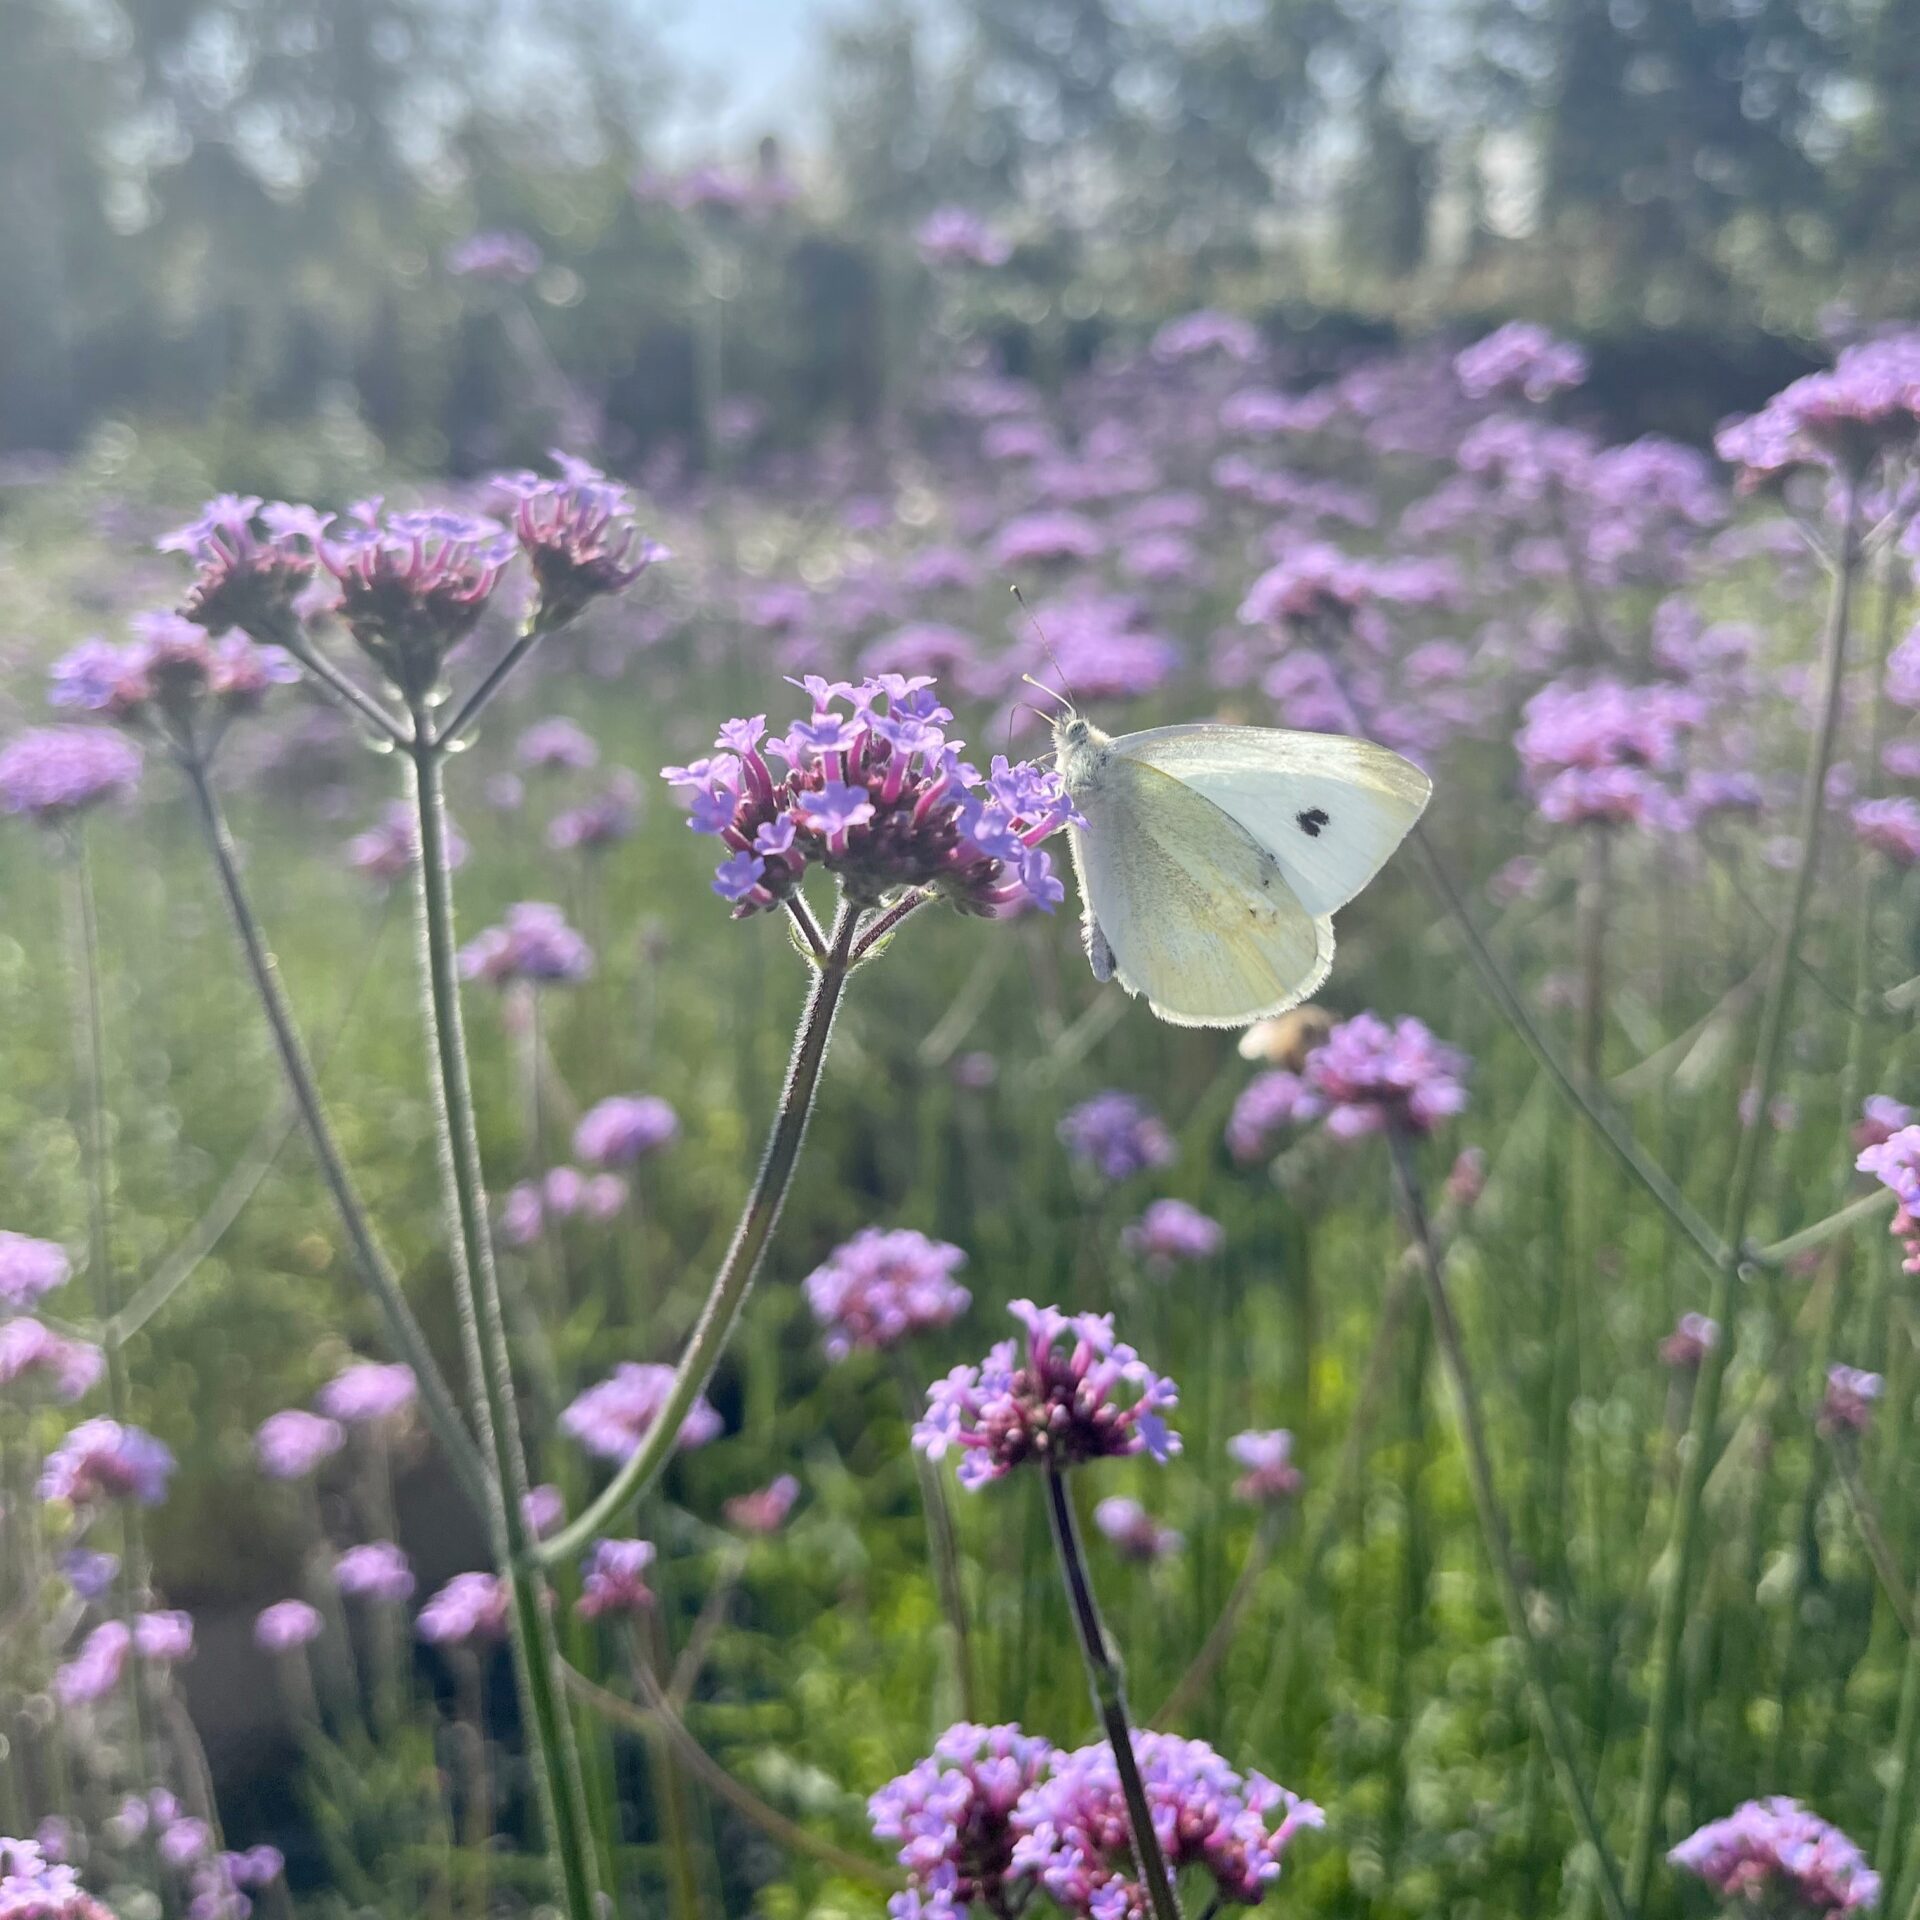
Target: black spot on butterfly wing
1312	820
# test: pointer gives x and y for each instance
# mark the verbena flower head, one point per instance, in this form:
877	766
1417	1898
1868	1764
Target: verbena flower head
882	1287
1372	1076
1604	751
1205	332
369	1392
601	821
1066	1393
880	798
389	851
533	943
1171	1231
1268	1459
98	1666
624	1129
578	534
1890	826
1776	1858
952	1816
1894	1161
1134	1532
1881	1117
378	1570
614	1580
1867	404
291	1444
557	745
543	1508
502	255
953	237
1519	359
471	1609
30	1269
1851	1396
1270	1102
165	678
34	1355
1117	1135
252	559
285	1625
1694	1337
1072	1834
412	585
87	1572
52	774
103	1460
765	1510
34	1887
612	1418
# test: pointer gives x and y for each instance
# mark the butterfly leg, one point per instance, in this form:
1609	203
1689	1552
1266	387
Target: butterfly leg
1099	954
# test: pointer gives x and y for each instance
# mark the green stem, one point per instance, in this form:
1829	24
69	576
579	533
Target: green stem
1873	1534
741	1262
1656	1763
1108	1688
1494	1530
90	1079
484	1339
376	1270
943	1550
469	710
1220	1635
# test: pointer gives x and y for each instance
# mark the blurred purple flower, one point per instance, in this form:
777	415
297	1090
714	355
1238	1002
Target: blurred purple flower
612	1418
953	237
1519	359
1776	1858
285	1625
556	745
103	1460
578	534
377	1571
32	1354
1171	1231
625	1128
388	852
369	1392
30	1269
1133	1531
533	943
51	774
1195	335
765	1510
252	560
1891	827
883	1287
1117	1135
1692	1339
1851	1396
614	1579
1373	1076
1270	1102
504	256
1270	1473
470	1609
291	1444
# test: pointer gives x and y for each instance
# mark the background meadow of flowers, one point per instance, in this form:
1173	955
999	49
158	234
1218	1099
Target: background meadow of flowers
1606	653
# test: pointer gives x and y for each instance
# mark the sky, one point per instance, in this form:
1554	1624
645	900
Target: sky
747	63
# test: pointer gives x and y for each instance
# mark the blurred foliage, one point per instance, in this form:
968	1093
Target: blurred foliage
237	213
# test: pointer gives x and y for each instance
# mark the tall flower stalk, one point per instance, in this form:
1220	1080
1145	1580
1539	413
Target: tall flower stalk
1656	1761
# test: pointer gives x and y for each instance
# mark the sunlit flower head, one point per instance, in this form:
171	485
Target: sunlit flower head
533	943
880	798
252	559
578	534
1116	1135
369	1392
882	1287
1064	1393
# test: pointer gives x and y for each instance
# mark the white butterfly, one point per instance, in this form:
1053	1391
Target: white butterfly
1213	857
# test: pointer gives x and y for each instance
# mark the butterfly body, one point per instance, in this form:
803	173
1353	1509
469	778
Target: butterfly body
1213	857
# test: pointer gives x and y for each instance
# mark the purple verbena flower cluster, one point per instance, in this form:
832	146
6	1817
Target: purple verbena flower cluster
53	774
625	1128
614	1579
611	1418
882	1287
578	534
1051	1398
1270	1473
30	1269
1171	1231
1776	1858
1116	1135
533	943
102	1460
764	1510
470	1610
32	1354
878	796
1894	1160
1134	1533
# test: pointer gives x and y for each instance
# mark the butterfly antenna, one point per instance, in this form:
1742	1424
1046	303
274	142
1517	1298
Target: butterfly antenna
1040	635
1052	693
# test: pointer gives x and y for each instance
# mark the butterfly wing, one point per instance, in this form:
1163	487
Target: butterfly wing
1191	910
1330	810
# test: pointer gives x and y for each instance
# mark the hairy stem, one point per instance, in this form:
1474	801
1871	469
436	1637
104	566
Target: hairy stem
1108	1688
1498	1538
376	1270
741	1262
488	1357
1656	1762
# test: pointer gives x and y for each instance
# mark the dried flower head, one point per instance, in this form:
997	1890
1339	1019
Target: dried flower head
1051	1398
881	1287
880	798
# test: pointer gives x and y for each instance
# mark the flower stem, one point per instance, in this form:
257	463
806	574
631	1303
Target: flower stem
741	1262
943	1549
1873	1534
470	709
408	1338
484	1338
1105	1682
1220	1635
1656	1763
90	1081
1494	1530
